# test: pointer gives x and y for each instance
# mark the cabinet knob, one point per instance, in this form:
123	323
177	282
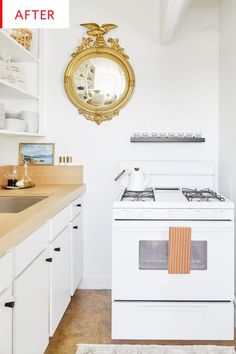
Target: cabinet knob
78	205
75	227
57	249
10	304
49	260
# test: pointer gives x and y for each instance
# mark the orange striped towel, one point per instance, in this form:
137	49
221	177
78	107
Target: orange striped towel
179	250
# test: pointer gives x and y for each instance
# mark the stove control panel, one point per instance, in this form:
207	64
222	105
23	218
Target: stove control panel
173	214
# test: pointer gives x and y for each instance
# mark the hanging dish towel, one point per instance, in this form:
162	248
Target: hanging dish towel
179	250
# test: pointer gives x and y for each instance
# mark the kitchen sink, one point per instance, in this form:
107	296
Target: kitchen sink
17	204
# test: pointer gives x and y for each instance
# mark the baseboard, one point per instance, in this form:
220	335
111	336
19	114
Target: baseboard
95	283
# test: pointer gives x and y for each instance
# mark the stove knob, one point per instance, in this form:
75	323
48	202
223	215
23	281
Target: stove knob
203	214
172	214
117	214
198	213
216	214
123	214
147	214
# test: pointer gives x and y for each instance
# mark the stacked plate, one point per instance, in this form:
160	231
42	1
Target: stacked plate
18	121
2	116
14	122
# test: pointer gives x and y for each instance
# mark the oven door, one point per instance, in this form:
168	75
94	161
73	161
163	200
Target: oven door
140	262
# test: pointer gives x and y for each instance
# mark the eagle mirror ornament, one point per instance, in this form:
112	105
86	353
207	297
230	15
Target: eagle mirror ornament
99	79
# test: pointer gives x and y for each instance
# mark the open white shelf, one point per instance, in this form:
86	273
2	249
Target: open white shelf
17	51
12	133
7	90
31	98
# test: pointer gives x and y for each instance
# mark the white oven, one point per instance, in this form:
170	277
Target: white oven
150	303
140	261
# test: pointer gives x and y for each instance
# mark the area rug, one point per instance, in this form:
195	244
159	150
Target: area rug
152	349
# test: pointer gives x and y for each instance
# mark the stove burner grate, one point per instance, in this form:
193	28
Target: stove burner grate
142	196
202	195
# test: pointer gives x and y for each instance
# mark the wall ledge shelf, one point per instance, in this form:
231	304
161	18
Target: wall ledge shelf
8	90
18	52
5	132
167	140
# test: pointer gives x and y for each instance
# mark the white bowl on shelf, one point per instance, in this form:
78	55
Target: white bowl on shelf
16	125
2	123
31	120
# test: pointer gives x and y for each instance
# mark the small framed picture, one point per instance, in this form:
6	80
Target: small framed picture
36	154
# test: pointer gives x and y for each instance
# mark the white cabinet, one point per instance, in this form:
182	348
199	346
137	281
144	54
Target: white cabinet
45	270
60	276
67	261
6	305
31	321
76	252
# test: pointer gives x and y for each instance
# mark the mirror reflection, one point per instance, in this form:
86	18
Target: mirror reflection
99	81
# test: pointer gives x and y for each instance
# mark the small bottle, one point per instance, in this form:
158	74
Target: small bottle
12	178
26	178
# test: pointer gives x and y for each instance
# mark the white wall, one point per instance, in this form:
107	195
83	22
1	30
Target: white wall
227	126
3	153
227	101
176	90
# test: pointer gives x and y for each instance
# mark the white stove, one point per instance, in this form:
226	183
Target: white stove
165	204
149	303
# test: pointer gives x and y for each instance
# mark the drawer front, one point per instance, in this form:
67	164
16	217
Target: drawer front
6	270
76	207
59	222
30	248
167	321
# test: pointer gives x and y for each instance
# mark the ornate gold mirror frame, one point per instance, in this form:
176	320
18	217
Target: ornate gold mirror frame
98	47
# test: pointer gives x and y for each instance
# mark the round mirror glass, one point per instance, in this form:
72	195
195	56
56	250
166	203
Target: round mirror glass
99	82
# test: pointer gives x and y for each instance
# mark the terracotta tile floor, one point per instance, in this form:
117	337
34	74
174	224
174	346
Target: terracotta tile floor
88	320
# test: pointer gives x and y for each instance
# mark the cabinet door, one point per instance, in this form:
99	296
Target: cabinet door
76	252
60	278
30	316
6	322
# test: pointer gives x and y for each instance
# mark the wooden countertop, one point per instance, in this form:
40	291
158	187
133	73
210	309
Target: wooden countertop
15	227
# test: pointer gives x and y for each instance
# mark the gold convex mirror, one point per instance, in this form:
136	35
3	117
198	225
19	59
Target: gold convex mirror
99	80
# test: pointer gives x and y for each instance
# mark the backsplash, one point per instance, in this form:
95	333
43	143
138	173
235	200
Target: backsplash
48	174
